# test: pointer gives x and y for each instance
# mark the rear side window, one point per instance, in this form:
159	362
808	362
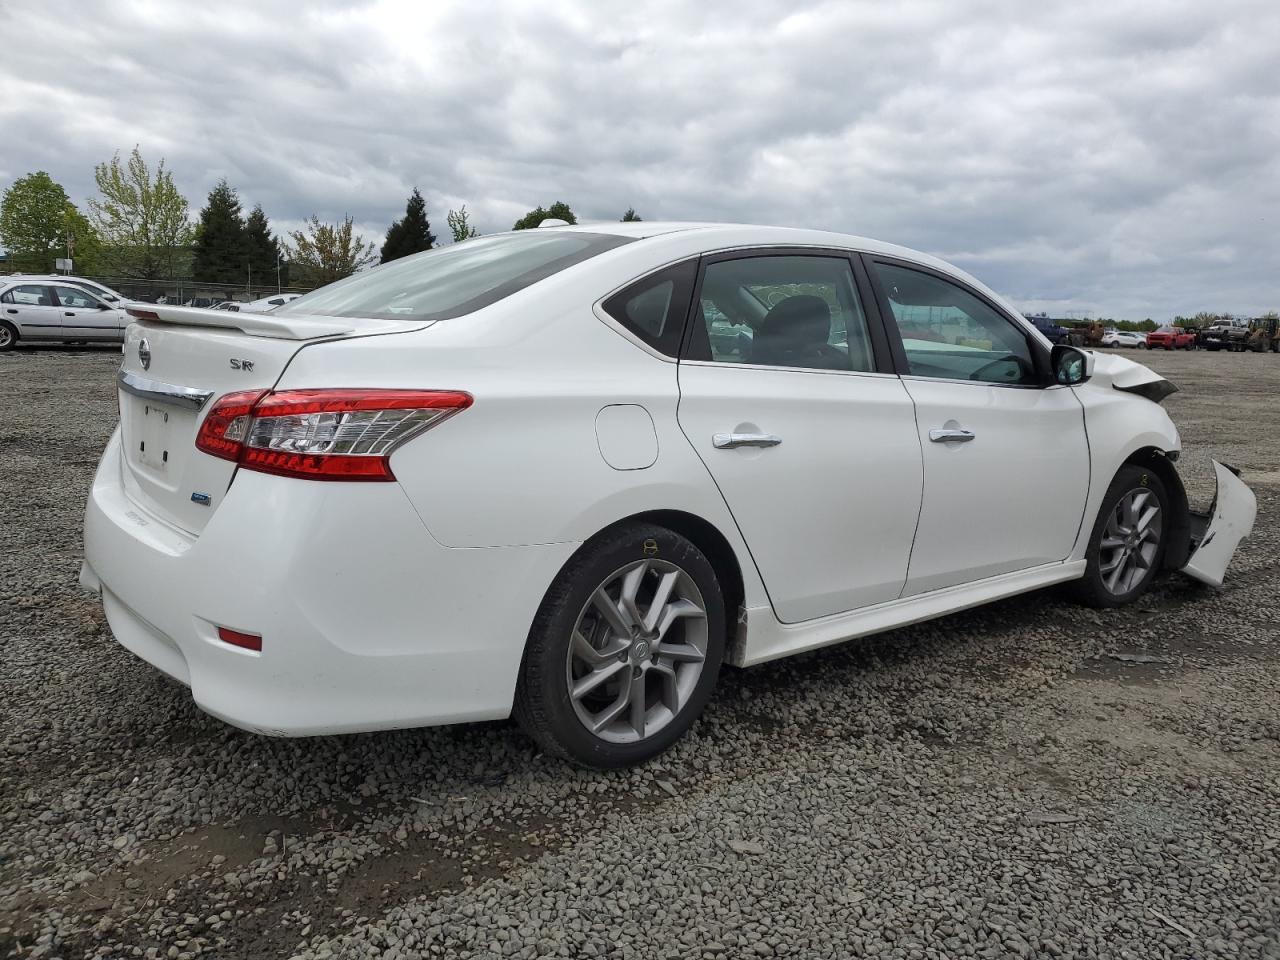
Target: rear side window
32	296
455	280
654	309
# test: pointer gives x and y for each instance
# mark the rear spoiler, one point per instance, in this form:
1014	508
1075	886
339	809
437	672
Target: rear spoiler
254	324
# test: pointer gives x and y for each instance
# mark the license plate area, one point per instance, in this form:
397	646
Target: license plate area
156	428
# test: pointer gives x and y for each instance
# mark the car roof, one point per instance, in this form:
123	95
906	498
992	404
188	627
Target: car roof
719	236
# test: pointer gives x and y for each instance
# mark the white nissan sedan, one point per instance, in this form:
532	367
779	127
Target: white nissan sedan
568	473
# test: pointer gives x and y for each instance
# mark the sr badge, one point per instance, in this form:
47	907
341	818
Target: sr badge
144	354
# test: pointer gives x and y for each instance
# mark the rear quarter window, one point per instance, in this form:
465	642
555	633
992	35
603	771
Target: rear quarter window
654	309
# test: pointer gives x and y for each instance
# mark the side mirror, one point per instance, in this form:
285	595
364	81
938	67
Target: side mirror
1071	366
104	306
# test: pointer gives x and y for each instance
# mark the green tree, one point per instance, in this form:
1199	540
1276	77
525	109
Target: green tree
35	217
221	250
460	225
85	245
557	211
631	216
265	255
142	219
412	233
325	252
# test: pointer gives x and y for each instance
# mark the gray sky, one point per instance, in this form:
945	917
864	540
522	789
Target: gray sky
1107	157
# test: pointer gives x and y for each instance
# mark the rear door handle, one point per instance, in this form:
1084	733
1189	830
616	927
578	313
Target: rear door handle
729	441
10	310
68	314
951	436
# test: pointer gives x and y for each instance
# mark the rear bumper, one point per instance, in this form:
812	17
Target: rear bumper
367	622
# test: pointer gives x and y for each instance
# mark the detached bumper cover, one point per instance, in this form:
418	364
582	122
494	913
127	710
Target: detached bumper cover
1230	520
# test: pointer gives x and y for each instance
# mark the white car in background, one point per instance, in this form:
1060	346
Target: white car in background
1124	338
100	290
55	311
265	305
567	473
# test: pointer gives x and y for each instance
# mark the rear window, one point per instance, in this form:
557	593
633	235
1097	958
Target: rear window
454	280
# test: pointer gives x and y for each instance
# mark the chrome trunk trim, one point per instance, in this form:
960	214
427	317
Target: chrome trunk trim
163	392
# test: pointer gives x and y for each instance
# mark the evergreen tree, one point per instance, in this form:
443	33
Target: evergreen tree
221	251
631	216
557	211
411	234
264	249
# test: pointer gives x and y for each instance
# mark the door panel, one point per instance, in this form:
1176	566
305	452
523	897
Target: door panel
81	317
1006	462
828	512
34	311
1011	497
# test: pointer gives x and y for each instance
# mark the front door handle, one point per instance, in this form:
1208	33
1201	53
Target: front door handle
728	441
950	436
69	314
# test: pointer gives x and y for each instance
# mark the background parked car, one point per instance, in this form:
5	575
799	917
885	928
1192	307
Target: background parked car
1124	338
1171	338
260	306
57	312
100	290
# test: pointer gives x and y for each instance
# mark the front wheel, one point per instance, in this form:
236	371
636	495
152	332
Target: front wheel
625	650
1142	346
1127	545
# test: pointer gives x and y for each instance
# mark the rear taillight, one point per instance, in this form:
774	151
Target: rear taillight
322	434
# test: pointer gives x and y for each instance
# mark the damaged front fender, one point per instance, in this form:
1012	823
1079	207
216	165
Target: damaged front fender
1216	534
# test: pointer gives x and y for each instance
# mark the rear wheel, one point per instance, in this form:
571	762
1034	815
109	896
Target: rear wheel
625	650
1127	545
8	336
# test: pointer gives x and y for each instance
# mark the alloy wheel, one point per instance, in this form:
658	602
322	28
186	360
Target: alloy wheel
6	336
637	650
1130	541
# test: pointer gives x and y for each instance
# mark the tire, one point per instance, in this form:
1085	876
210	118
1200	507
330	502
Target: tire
1138	556
8	336
660	666
1142	346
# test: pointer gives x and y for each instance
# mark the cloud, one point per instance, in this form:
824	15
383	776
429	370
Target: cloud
1114	158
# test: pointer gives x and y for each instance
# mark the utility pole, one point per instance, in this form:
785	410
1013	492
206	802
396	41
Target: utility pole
278	287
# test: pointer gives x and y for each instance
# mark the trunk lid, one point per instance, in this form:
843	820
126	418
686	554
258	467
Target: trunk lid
177	363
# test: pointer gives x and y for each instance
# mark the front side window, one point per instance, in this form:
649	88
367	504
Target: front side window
951	334
451	281
782	311
77	299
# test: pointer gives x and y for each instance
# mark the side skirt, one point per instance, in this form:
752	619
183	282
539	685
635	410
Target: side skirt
761	637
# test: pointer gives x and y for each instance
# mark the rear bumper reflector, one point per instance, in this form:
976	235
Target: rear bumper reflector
247	641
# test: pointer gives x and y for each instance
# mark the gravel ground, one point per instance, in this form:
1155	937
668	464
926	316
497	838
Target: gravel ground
993	784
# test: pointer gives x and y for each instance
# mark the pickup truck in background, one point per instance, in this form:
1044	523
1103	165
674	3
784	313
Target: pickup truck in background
1229	334
1055	332
1171	338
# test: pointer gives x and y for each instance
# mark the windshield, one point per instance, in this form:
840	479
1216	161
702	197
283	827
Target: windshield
454	280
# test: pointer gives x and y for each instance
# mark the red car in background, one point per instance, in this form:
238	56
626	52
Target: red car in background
1171	338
